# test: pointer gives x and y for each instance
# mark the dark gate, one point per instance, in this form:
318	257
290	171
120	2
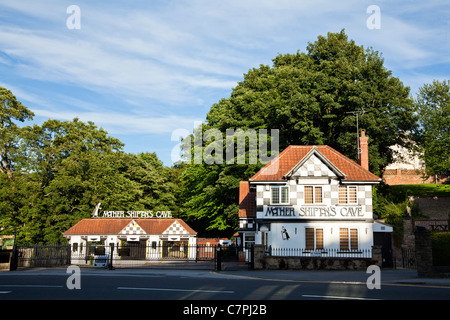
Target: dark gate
232	257
408	258
384	239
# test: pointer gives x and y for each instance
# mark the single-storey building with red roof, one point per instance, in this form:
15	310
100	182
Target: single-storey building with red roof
150	235
312	198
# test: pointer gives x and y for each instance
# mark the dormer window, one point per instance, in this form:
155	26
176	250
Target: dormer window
279	195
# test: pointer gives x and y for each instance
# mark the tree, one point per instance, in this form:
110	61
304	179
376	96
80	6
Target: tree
211	198
209	193
433	132
62	169
47	145
10	110
310	98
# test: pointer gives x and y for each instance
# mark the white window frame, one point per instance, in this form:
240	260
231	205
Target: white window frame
279	195
315	238
349	239
249	240
313	195
348	195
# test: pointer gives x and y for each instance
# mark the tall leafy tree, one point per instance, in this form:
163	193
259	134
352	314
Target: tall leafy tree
433	132
46	146
11	110
16	190
209	192
57	172
311	97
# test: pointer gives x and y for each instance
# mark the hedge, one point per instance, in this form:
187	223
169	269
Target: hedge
440	242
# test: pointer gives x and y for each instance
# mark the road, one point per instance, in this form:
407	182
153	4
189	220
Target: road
190	287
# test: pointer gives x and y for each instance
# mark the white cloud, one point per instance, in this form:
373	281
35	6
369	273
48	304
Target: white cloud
176	53
156	61
120	123
170	52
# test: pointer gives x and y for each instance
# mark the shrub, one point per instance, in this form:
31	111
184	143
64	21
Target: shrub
440	242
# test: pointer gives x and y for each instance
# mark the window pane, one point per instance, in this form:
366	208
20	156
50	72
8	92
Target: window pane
342	194
354	239
284	194
249	238
343	237
275	194
309	238
308	194
319	239
318	195
352	195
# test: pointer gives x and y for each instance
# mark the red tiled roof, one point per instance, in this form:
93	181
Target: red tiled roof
106	226
292	155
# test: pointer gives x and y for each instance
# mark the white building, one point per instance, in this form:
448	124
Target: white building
311	198
147	239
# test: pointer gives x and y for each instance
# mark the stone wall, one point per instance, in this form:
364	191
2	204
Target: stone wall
261	261
424	254
5	260
433	207
408	232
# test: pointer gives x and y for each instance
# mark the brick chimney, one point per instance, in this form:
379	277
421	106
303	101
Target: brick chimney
246	200
244	189
363	150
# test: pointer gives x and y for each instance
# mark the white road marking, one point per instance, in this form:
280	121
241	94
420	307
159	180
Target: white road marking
335	297
178	290
29	286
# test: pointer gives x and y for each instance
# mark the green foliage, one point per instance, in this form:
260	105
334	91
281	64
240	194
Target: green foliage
60	170
392	212
213	194
440	242
308	97
11	110
391	204
433	132
52	175
422	190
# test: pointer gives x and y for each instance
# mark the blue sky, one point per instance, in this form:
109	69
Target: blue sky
149	70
